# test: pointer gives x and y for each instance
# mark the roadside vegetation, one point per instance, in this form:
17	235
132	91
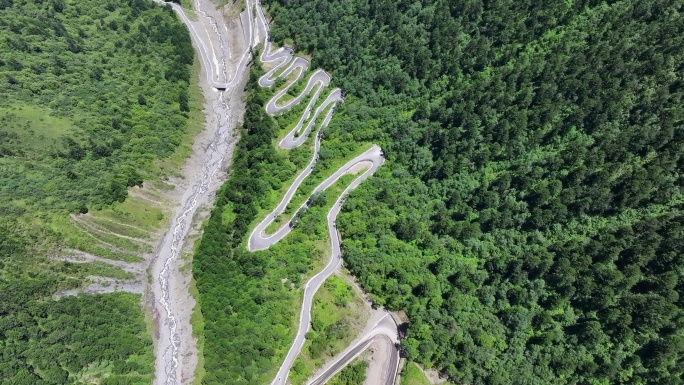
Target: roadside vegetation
352	374
412	375
338	315
96	100
248	330
529	215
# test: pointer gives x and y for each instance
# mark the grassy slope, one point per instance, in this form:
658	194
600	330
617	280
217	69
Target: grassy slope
412	375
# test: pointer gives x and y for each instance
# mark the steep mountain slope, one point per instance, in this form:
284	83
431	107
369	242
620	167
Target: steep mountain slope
95	98
529	218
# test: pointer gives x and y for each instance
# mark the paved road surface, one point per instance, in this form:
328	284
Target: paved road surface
385	330
211	49
211	56
283	61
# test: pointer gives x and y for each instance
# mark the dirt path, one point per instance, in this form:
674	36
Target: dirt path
104	285
78	256
95	228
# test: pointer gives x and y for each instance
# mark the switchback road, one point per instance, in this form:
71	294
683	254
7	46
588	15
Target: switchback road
223	72
385	331
284	63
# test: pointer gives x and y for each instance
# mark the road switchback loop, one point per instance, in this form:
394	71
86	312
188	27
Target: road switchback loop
284	63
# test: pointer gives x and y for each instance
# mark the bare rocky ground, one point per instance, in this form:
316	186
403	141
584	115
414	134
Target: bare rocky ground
433	376
378	354
175	346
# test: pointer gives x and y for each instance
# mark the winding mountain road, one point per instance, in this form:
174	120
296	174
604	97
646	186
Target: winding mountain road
224	73
284	59
214	58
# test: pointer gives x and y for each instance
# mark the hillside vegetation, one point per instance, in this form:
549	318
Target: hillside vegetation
93	93
529	217
250	300
95	99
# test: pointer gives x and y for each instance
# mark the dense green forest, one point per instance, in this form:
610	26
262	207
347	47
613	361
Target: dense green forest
240	332
94	97
74	340
110	79
529	217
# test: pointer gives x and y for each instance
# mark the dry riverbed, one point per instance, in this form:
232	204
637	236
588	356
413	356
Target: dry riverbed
142	239
175	346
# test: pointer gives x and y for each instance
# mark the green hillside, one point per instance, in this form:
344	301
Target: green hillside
529	216
95	99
